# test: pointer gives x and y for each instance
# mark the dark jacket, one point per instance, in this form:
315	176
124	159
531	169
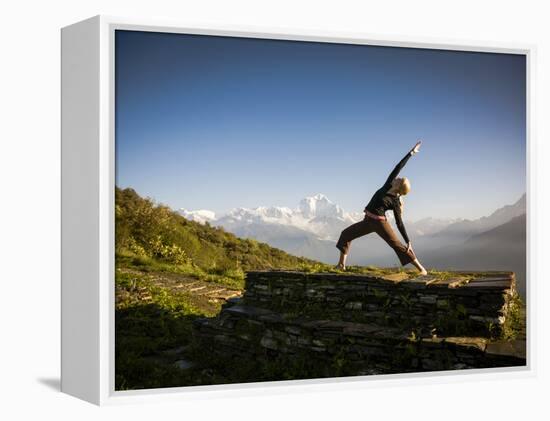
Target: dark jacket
383	201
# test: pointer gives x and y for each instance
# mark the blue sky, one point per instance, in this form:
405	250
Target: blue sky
215	123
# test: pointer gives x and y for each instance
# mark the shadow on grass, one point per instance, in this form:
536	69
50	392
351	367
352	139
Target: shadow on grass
150	340
158	348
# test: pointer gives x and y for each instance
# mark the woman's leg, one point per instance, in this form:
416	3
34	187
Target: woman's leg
342	261
352	232
384	230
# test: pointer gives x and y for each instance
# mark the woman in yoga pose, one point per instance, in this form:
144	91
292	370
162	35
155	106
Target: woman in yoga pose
388	197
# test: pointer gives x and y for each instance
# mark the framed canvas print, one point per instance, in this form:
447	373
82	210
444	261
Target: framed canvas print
243	209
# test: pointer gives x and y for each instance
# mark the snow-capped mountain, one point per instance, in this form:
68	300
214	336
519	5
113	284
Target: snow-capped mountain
315	215
201	216
270	215
310	230
319	206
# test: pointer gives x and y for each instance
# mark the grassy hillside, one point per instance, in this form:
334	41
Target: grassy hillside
151	237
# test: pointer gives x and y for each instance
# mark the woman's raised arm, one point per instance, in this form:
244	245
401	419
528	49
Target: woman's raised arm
402	163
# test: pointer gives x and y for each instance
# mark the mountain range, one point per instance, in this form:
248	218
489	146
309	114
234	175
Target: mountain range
316	215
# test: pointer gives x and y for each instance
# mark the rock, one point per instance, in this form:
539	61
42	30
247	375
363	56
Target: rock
479	343
269	343
494	320
516	348
428	299
460	366
184	364
442	303
431	364
176	351
354	305
293	329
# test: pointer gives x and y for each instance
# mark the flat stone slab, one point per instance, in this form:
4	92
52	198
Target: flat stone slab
184	364
419	281
454	282
247	311
515	348
479	343
396	277
489	279
492	284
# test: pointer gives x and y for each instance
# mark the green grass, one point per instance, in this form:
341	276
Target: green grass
367	270
229	277
376	271
150	320
514	326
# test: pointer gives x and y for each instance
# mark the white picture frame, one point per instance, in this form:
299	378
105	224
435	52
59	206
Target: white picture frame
88	174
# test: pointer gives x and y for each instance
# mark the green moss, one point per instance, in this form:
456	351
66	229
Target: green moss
514	325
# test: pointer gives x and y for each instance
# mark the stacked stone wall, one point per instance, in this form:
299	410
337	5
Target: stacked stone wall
371	324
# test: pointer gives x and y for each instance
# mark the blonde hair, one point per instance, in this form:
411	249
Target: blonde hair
404	186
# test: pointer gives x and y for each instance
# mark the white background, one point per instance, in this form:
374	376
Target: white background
30	222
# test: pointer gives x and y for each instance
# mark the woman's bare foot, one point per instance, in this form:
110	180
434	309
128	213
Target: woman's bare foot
342	262
420	268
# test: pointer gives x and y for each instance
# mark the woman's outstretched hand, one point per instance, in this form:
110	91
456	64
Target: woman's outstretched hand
416	148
